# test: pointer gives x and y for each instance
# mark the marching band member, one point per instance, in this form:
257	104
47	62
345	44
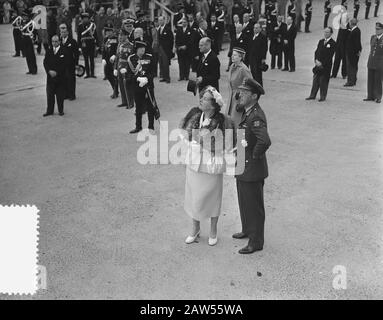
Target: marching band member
29	50
141	65
122	71
87	39
109	56
327	11
308	15
17	36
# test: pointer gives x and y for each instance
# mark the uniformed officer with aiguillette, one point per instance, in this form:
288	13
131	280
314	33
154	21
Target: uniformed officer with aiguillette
123	72
141	64
255	139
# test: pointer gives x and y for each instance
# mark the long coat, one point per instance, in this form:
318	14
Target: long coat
236	76
375	59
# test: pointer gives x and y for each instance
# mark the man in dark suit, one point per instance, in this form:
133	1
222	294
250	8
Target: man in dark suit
353	50
202	32
54	64
248	26
377	4
323	64
375	66
256	54
208	69
72	55
276	44
340	53
184	42
215	30
251	180
239	40
165	54
289	45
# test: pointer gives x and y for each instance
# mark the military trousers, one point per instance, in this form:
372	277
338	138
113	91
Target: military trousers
374	84
252	210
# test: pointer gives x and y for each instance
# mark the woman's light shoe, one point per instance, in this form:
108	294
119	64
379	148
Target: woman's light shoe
191	239
213	241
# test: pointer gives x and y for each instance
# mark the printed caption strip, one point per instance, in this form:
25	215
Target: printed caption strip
18	249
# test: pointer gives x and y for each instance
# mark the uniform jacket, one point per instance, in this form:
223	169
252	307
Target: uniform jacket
124	50
72	53
309	9
375	60
55	62
258	141
145	68
166	41
88	39
110	48
353	45
209	71
324	53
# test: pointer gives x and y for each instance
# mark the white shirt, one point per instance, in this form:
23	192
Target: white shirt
56	49
206	54
64	40
379	37
352	29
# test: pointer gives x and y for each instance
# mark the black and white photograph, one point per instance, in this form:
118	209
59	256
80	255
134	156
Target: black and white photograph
199	150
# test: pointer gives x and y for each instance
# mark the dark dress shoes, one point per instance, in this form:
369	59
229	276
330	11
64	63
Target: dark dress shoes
16	55
348	85
310	98
93	76
162	80
136	130
86	77
47	114
378	100
114	96
250	248
121	105
285	69
368	99
239	235
321	99
61	113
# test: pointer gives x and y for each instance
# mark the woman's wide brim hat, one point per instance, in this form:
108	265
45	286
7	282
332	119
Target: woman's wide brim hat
192	86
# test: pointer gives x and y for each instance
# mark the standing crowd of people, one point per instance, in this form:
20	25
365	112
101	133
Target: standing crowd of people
135	50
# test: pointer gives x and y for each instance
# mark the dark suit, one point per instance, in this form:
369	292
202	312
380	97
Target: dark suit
256	53
340	53
324	53
184	38
165	54
215	33
368	6
251	181
375	68
209	70
197	36
289	47
240	42
353	49
276	44
29	52
248	31
71	55
87	42
55	85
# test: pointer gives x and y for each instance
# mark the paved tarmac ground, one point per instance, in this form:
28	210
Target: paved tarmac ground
111	228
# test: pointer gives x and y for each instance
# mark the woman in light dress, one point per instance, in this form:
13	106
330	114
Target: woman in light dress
204	164
237	73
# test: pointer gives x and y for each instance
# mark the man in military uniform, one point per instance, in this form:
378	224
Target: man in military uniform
87	40
128	27
141	65
308	15
108	58
17	36
292	10
123	72
215	30
72	55
327	12
375	66
250	182
27	43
